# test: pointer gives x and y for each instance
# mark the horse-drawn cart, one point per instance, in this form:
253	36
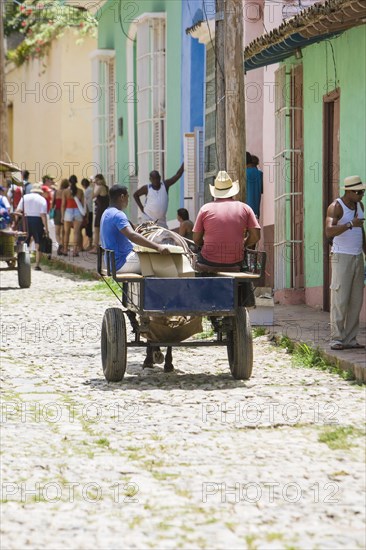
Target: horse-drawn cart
222	298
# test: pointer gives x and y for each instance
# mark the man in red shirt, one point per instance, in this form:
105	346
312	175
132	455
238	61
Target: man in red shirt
224	227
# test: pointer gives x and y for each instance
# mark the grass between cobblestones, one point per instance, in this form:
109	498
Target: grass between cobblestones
305	356
339	437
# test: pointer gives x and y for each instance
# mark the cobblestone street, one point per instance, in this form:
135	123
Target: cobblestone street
189	459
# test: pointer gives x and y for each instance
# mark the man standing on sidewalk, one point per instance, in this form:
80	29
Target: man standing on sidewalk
345	226
156	202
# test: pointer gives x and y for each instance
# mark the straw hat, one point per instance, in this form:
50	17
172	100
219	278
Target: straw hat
37	188
224	187
353	183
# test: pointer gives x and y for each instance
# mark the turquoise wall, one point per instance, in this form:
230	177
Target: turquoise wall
114	21
320	73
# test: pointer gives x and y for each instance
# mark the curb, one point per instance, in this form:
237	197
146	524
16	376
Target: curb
68	267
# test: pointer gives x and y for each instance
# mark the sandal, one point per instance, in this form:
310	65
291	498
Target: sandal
337	346
354	346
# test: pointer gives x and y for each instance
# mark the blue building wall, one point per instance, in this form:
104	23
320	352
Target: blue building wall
193	72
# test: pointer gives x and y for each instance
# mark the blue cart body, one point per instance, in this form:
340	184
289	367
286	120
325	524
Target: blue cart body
183	296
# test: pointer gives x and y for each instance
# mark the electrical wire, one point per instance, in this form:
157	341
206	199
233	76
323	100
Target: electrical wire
334	63
189	9
120	21
212	44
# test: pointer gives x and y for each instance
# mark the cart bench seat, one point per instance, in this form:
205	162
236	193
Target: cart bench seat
240	275
123	277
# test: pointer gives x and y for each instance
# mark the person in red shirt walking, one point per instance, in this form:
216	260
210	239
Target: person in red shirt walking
226	226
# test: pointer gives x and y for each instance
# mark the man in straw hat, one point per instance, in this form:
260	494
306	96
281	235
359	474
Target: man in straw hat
34	207
225	226
345	225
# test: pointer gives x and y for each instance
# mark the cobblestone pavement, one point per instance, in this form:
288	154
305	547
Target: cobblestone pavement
190	459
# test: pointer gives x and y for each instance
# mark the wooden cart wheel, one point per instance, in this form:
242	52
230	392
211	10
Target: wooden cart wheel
240	345
114	345
24	269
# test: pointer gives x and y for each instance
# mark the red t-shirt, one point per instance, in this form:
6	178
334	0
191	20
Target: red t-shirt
224	224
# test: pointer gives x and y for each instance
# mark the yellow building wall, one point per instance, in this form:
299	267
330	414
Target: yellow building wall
51	102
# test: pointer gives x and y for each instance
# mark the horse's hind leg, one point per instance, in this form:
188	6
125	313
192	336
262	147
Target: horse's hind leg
168	365
149	361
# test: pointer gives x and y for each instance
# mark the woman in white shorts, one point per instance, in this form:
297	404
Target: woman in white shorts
72	214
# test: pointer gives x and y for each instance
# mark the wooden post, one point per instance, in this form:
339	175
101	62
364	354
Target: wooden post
3	103
235	104
220	86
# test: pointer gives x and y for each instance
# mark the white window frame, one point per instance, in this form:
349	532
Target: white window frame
104	114
151	150
193	171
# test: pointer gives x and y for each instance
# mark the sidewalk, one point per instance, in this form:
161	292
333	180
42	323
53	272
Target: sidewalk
300	323
304	324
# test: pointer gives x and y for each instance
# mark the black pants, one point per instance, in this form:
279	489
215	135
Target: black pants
35	228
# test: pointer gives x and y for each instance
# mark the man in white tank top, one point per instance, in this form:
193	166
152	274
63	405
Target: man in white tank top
345	225
156	202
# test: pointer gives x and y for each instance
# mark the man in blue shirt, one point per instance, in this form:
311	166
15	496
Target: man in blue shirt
117	234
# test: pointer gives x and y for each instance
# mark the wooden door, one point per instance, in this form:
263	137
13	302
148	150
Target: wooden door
331	171
297	176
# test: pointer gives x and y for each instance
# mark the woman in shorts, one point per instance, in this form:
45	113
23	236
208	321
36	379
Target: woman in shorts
72	213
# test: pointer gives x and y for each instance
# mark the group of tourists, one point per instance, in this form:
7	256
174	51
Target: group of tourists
68	205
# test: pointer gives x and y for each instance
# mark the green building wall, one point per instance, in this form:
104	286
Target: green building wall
114	22
321	75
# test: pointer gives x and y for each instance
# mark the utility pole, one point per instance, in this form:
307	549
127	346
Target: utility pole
220	86
3	103
235	103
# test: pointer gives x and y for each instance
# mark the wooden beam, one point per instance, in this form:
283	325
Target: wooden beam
220	86
4	141
235	105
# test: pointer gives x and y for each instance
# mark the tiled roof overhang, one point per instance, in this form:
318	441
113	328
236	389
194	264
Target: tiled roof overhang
317	23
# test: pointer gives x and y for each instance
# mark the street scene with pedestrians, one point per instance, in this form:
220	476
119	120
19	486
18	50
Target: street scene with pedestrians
182	274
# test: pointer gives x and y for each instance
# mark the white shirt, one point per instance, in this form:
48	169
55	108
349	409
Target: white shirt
35	205
350	242
156	203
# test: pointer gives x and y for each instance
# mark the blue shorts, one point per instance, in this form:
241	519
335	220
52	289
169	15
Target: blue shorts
72	215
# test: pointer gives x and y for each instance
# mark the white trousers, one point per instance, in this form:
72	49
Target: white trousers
132	264
346	297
